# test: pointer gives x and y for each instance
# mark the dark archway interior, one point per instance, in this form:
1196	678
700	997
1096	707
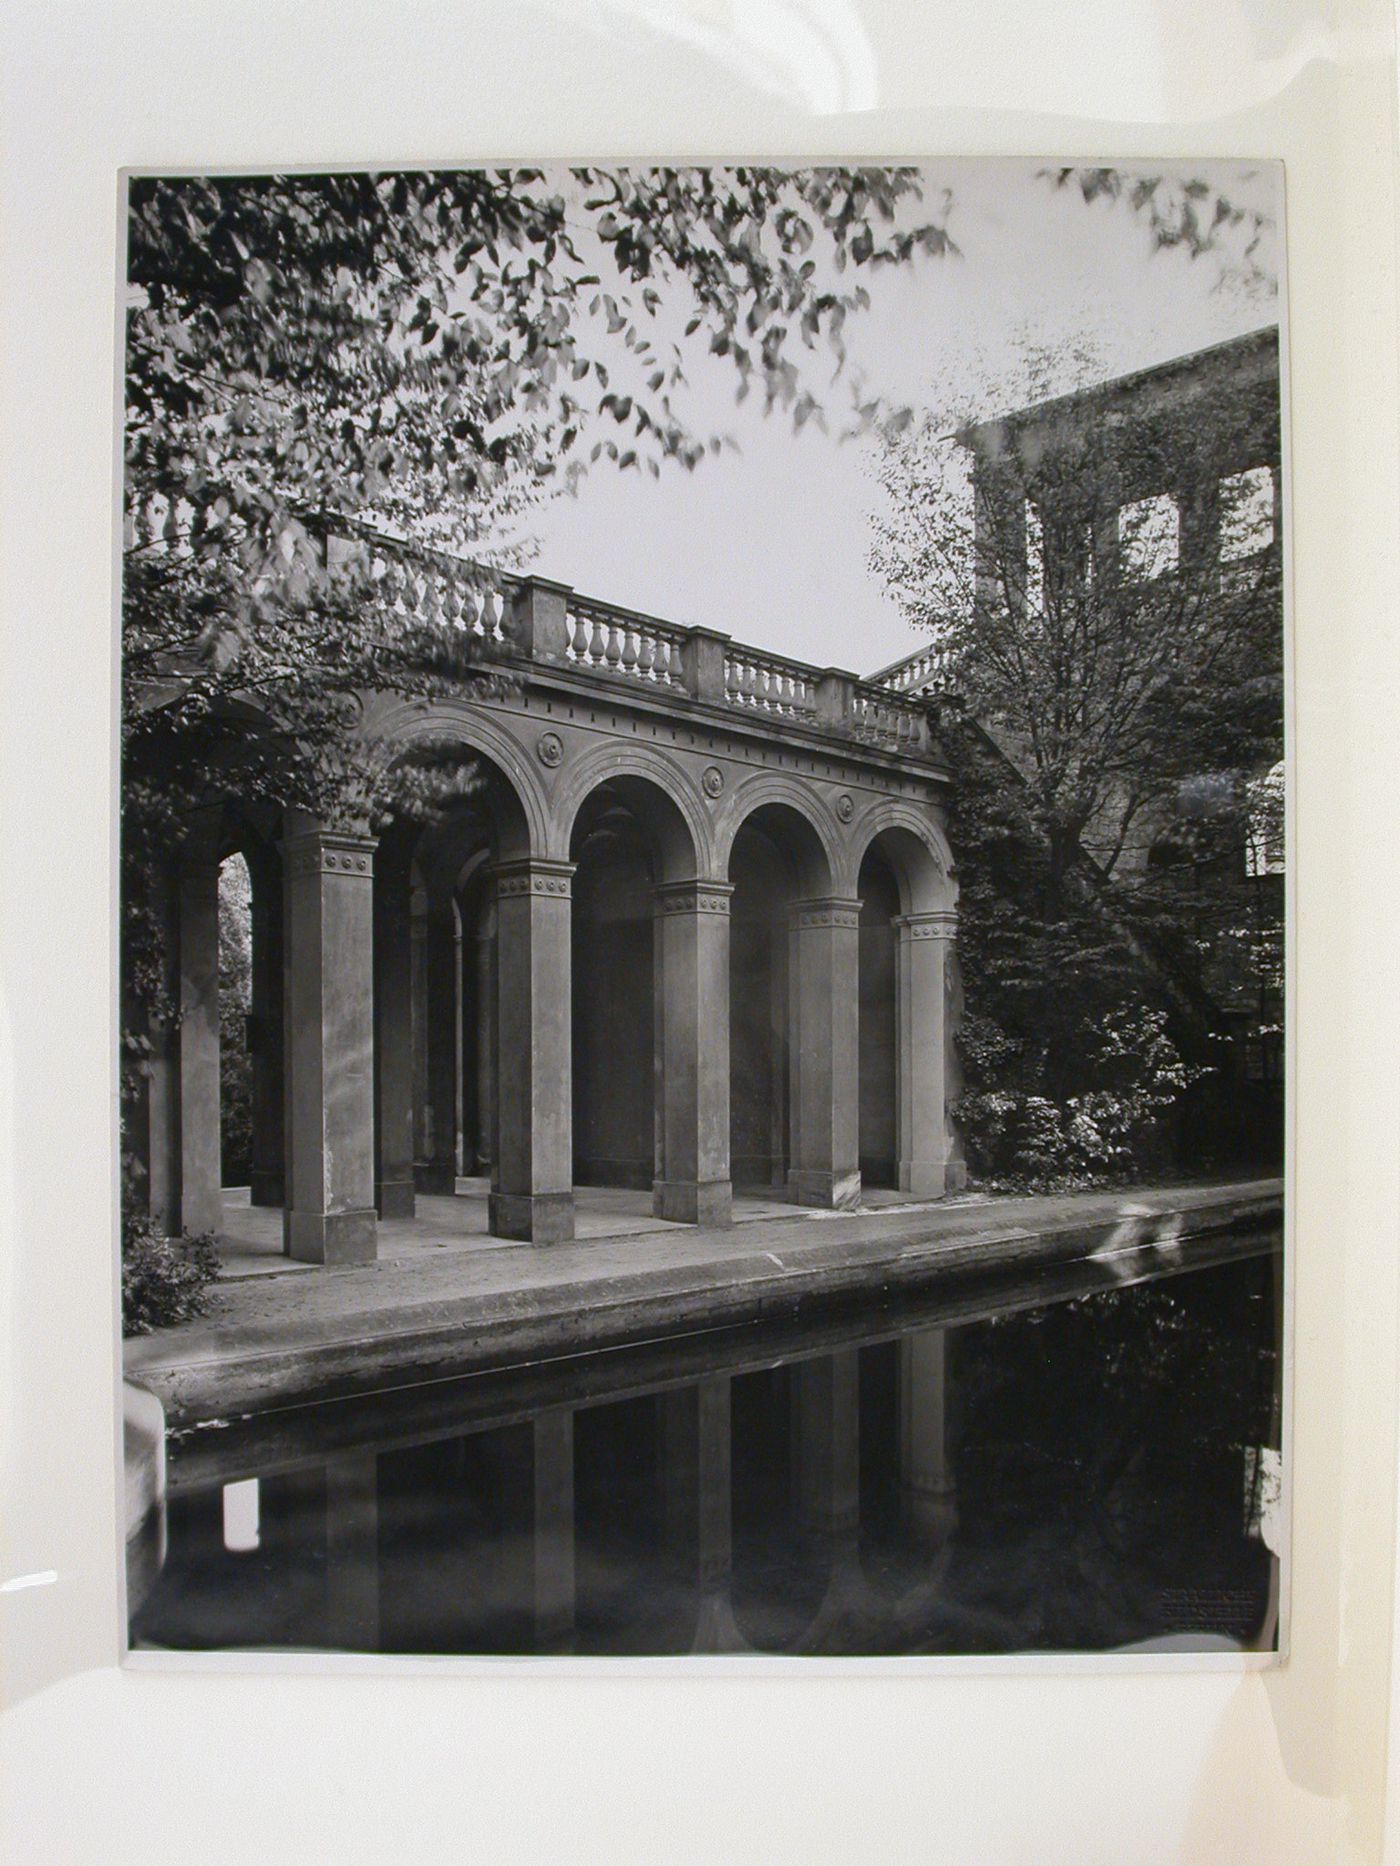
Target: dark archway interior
614	1012
765	885
879	1139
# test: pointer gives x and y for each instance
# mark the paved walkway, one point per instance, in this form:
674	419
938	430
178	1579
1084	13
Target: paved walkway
250	1239
435	1313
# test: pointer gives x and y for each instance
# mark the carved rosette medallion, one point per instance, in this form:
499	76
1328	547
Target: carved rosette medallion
549	749
713	781
845	806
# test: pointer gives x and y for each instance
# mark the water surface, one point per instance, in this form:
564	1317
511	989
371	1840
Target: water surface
1038	1470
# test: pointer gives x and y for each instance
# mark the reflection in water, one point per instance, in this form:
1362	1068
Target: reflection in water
1078	1476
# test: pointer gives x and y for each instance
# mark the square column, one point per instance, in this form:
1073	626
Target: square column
692	1045
532	1191
329	1216
923	1029
443	1042
393	1042
481	1145
200	1161
265	1036
150	1095
824	999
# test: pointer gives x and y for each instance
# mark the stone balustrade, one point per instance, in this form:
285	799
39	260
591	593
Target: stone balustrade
624	642
927	670
547	622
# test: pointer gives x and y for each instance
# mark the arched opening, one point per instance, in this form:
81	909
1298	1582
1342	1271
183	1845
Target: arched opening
776	863
614	993
906	996
764	886
879	1046
448	885
436	992
235	1012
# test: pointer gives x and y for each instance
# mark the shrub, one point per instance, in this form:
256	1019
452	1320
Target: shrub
164	1280
1109	1131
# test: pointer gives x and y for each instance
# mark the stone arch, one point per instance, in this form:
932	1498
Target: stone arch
525	813
804	803
633	852
916	849
643	769
922	970
792	1016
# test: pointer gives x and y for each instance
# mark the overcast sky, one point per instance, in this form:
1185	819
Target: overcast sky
769	544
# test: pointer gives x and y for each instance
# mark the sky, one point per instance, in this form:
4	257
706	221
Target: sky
769	543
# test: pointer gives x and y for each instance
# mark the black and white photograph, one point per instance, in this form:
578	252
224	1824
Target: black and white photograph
704	864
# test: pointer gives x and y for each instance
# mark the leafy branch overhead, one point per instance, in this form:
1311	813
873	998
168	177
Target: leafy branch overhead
1182	211
421	357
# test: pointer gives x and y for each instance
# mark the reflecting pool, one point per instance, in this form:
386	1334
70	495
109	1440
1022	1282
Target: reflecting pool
1038	1469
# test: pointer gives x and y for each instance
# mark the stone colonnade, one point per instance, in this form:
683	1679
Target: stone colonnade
354	1078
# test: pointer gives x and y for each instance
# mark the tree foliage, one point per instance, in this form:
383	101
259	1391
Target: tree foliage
418	357
1115	676
1126	661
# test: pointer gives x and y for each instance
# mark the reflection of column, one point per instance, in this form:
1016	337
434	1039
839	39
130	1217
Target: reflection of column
826	1444
554	1531
265	1035
824	974
393	1040
201	1175
352	1552
532	1175
443	1034
925	1475
695	1480
921	1020
696	1498
485	1035
329	1216
693	1186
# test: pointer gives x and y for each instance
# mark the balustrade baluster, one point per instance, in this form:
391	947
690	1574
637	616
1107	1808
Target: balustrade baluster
629	649
613	653
597	644
646	655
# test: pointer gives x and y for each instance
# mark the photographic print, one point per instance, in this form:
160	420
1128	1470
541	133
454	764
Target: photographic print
703	880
